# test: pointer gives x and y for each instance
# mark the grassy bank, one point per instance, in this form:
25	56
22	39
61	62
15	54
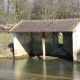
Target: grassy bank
5	40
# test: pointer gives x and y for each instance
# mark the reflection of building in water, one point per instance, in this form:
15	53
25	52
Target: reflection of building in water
44	70
76	72
19	66
7	69
29	69
61	69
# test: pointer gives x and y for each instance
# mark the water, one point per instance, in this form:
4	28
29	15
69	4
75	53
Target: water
29	69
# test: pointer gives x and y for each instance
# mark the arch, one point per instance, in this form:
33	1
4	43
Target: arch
60	38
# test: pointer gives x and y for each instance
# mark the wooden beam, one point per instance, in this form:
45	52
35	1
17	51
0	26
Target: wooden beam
43	46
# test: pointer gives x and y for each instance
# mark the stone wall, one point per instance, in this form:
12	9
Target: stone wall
51	40
67	42
37	42
21	44
76	43
25	42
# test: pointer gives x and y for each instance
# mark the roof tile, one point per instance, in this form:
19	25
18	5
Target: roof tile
55	25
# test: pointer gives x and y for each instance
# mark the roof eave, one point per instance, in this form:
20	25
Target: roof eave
12	29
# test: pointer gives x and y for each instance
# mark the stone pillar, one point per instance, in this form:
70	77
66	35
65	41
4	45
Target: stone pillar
74	47
44	70
43	46
76	43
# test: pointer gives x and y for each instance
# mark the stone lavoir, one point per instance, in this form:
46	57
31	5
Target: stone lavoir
41	37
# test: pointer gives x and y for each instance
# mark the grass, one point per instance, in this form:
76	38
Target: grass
5	39
60	39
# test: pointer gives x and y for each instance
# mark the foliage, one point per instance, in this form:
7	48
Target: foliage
21	10
55	9
5	39
12	11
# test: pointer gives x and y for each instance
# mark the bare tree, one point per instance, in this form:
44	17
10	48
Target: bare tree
21	10
51	9
15	10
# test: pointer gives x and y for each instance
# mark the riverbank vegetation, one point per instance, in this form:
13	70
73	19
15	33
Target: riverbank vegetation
13	11
5	40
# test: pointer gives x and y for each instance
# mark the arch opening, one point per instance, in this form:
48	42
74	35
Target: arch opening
60	40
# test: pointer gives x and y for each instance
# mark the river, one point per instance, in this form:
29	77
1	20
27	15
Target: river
29	69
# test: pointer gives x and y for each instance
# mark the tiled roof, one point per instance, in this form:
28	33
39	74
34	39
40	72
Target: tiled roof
56	25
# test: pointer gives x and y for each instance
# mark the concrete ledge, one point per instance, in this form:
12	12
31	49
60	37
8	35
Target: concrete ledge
23	56
46	57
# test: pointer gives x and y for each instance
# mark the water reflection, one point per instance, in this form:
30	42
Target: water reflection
7	69
44	70
19	66
61	69
29	69
76	72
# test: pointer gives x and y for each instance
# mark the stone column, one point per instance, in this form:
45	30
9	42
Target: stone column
43	46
